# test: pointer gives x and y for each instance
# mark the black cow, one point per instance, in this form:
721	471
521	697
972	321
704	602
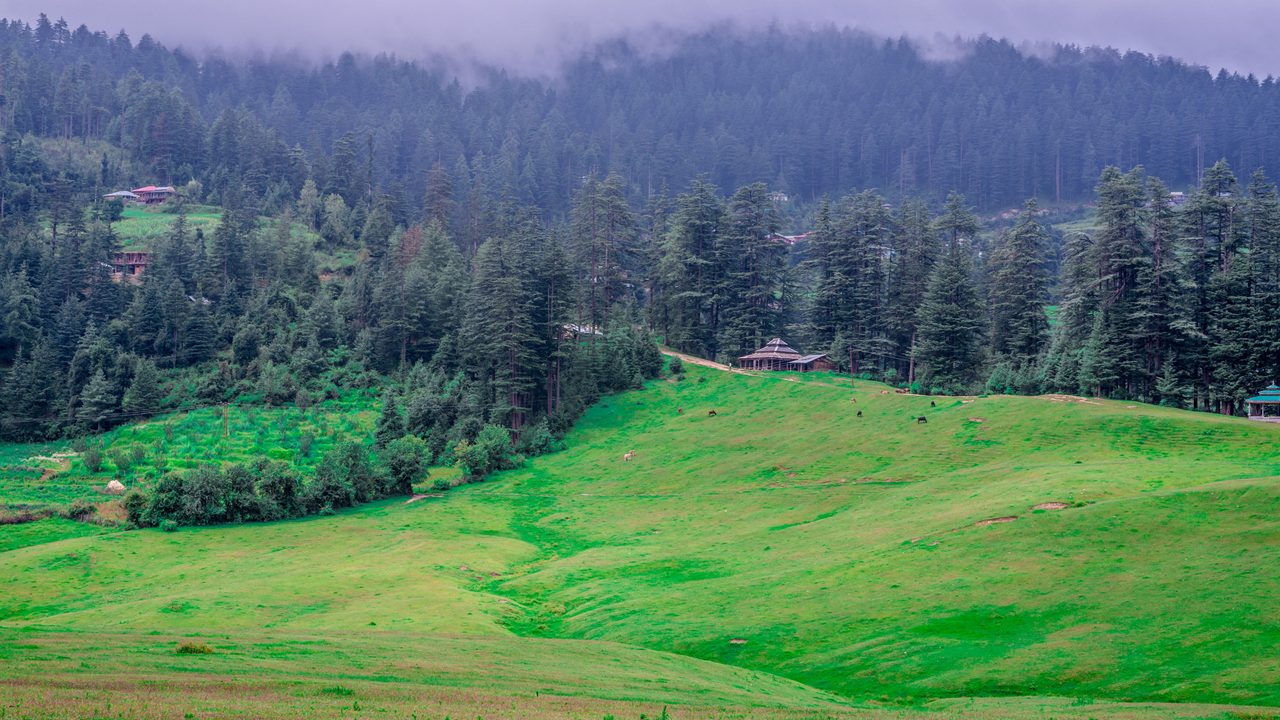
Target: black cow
922	420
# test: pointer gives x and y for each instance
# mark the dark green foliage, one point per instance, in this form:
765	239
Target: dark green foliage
406	460
675	365
390	422
1018	293
491	451
950	322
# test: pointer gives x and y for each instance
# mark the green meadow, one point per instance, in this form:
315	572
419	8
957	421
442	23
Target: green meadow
139	227
1012	557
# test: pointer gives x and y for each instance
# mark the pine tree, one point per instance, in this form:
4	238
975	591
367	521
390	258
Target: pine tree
97	401
390	422
145	393
950	334
1019	326
915	251
499	333
689	270
749	294
437	204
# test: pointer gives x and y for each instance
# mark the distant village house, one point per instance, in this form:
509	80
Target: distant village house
129	266
149	195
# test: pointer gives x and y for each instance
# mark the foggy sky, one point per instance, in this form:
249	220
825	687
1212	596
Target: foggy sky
535	36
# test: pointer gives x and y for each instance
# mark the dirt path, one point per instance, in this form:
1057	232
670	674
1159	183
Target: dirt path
690	359
702	362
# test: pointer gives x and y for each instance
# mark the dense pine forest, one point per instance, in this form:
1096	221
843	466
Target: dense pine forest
502	254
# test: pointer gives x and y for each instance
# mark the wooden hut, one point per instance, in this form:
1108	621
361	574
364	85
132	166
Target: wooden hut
775	355
1265	406
809	363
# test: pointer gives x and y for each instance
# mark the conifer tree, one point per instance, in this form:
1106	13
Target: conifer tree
950	325
749	294
390	422
97	401
145	393
1019	326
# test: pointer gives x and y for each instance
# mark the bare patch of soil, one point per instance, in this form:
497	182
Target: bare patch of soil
994	521
1070	399
1051	506
422	496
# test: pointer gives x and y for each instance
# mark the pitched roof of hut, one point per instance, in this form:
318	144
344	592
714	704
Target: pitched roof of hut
775	349
1269	395
807	359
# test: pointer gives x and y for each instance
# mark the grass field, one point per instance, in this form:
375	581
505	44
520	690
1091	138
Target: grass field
139	227
781	559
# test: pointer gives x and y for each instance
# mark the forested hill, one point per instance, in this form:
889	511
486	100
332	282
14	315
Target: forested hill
811	114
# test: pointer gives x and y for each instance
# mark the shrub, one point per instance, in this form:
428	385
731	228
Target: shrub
490	452
92	456
79	509
279	490
675	365
538	440
194	648
304	444
406	459
135	504
168	526
122	458
441	484
338	690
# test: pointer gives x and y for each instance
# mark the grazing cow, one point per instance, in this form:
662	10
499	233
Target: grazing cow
853	399
922	420
884	392
711	413
933	404
859	413
630	454
901	391
679	411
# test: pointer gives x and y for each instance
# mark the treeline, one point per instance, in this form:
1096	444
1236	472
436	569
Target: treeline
1167	301
812	114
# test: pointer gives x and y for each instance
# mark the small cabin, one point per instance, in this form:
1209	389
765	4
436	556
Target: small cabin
1265	406
777	355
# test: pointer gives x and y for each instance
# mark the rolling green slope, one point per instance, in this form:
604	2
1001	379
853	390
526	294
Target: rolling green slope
852	553
872	559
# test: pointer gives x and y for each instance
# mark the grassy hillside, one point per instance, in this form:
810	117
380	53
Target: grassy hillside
874	559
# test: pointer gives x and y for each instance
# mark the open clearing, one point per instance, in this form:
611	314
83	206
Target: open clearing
583	586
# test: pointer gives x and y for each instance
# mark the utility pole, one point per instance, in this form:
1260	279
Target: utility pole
225	421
